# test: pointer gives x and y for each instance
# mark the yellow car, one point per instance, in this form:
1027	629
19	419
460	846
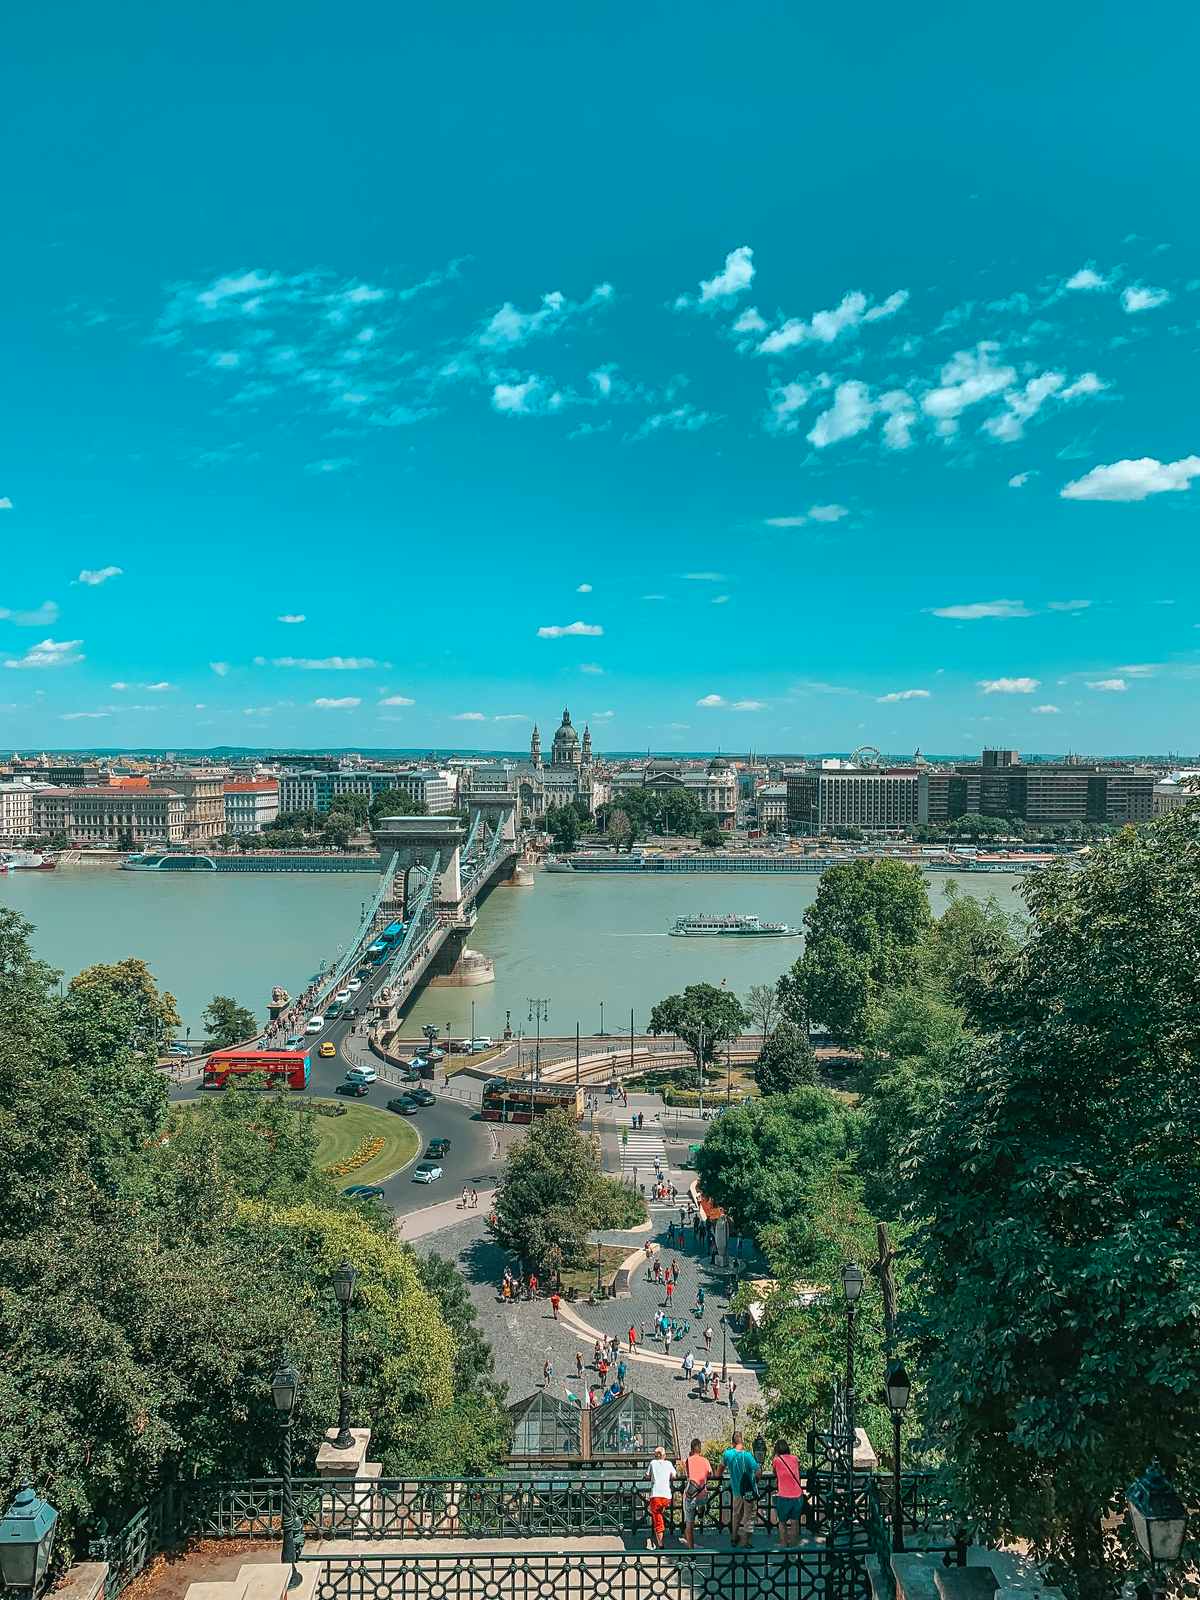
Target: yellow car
328	1048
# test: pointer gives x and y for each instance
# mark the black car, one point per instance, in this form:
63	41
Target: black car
357	1090
403	1103
423	1097
363	1191
438	1148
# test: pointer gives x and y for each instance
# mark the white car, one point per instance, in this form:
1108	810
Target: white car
342	996
315	1025
426	1172
354	985
362	1075
475	1046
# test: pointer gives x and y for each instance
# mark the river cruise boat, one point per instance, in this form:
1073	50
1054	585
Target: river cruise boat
739	927
160	861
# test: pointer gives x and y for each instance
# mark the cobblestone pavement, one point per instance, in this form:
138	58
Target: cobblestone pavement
523	1335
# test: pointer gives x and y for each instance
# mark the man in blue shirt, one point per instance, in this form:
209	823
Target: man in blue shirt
741	1469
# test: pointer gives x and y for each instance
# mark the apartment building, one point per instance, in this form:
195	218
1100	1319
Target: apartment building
876	800
316	790
251	804
202	790
104	815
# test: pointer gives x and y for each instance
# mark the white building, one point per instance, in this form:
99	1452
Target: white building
873	799
250	804
316	791
568	778
16	810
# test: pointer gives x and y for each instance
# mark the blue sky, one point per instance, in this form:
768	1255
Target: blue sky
778	378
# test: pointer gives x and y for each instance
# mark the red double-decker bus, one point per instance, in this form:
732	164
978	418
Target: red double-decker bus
279	1069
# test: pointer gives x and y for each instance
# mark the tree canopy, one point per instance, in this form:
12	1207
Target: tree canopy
703	1016
226	1022
786	1060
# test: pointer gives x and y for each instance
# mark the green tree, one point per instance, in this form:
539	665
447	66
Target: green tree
355	807
132	1000
396	803
969	938
865	931
786	1060
758	1158
711	837
703	1016
1056	1193
226	1022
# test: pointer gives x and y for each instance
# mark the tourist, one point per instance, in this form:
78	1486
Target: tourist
689	1362
670	1235
622	1369
602	1369
597	1352
633	1339
741	1469
702	1382
670	1291
697	1470
789	1494
579	1365
734	1409
708	1338
547	1372
716	1387
661	1474
700	1301
732	1390
533	1285
667	1336
554	1303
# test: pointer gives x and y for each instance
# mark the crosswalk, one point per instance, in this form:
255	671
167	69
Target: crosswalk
640	1148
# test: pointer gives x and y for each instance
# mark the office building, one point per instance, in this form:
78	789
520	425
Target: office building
202	790
315	790
250	804
1044	793
875	800
103	815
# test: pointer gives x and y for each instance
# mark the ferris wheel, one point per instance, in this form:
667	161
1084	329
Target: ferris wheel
866	756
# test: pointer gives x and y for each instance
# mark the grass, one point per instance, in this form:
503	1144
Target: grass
456	1063
584	1278
341	1136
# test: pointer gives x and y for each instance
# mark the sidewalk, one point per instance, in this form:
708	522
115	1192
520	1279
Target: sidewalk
444	1214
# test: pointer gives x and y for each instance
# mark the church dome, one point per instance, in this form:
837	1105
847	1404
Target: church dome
566	741
720	764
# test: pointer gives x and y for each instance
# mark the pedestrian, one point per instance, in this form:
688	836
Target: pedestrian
642	1332
579	1365
622	1369
712	1255
716	1387
670	1290
697	1470
533	1285
708	1338
547	1372
596	1354
670	1235
661	1475
602	1369
554	1302
732	1390
689	1362
632	1339
700	1301
667	1332
740	1467
702	1381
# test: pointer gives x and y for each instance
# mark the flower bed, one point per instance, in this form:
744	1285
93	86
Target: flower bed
366	1151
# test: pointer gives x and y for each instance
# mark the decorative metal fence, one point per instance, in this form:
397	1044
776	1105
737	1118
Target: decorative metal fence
131	1548
594	1575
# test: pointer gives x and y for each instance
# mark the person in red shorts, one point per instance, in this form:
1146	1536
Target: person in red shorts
661	1474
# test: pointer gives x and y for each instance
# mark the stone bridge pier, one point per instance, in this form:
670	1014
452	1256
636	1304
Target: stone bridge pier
416	842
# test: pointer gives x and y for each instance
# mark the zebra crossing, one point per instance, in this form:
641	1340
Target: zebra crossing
640	1148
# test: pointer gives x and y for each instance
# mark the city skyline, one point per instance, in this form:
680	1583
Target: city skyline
826	394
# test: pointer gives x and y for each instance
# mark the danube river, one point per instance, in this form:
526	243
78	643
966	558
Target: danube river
574	940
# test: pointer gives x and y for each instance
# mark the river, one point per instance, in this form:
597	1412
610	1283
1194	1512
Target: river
572	940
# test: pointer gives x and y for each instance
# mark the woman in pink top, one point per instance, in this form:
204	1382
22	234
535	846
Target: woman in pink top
789	1494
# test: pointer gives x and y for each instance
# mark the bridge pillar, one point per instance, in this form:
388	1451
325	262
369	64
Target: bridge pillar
500	807
414	842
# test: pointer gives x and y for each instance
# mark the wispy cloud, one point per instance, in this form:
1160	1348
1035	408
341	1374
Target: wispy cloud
603	716
1019	480
83	716
43	616
1044	711
1109	685
531	397
1009	685
397	700
680	419
592	668
330	663
94	576
49	653
826	513
468	716
749	705
851	412
1067	605
1134	480
221	668
824	327
345	703
570	630
977	610
734	278
330	464
5	503
1141	297
1087	278
508	327
704	577
718	702
584	588
720	600
902	694
292	617
510	716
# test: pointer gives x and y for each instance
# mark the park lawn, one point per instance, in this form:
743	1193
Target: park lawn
341	1136
583	1279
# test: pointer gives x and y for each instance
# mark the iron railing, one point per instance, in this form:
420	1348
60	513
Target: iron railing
132	1548
593	1575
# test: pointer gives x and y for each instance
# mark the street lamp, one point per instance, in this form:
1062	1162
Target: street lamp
1159	1520
343	1289
852	1287
284	1387
602	1019
898	1388
26	1540
597	1269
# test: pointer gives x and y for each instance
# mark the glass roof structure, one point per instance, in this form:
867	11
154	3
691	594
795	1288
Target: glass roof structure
631	1425
544	1426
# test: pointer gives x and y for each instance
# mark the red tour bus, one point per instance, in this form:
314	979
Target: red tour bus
280	1068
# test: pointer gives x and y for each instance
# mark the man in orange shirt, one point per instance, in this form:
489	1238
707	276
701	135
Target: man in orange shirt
695	1471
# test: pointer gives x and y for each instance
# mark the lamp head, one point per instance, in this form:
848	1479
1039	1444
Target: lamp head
26	1540
1157	1514
284	1387
852	1282
898	1387
343	1283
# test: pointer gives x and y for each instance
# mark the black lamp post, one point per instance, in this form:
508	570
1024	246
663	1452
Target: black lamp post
1159	1521
26	1540
598	1249
284	1387
343	1288
852	1287
898	1390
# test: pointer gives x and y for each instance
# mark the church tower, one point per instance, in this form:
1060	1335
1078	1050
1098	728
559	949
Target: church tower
535	747
586	757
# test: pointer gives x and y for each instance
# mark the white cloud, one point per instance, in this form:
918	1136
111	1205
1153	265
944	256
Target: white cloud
82	716
1143	669
1022	404
119	686
602	381
734	278
1019	480
292	617
1133	480
749	705
750	321
346	703
1142	297
1086	278
570	630
712	701
850	413
1067	605
720	600
602	716
1086	383
327	663
330	464
5	503
902	694
1009	685
829	513
784	522
974	610
158	688
681	419
592	668
221	668
468	716
654	597
42	616
584	588
510	716
509	327
49	653
967	378
1109	685
1044	711
901	413
705	577
518	399
783	404
397	700
826	326
92	577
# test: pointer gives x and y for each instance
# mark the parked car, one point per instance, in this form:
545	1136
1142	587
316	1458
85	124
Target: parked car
361	1075
438	1148
315	1025
357	1091
363	1191
430	1052
179	1050
474	1046
426	1172
328	1048
423	1097
404	1104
